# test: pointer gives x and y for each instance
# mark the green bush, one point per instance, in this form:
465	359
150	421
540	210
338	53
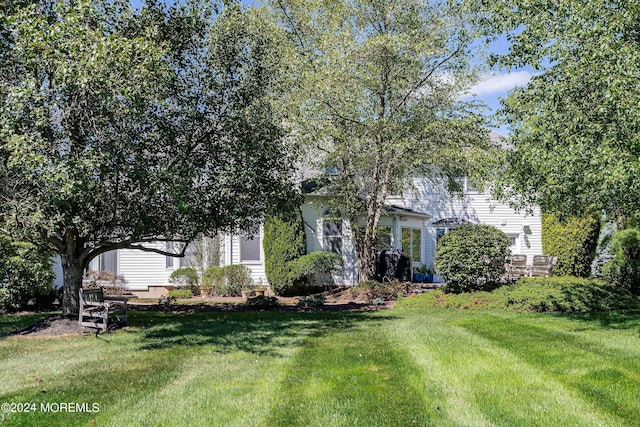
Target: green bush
315	300
236	278
186	277
538	294
283	242
573	241
314	271
181	293
211	277
472	258
25	273
387	291
226	281
624	269
262	301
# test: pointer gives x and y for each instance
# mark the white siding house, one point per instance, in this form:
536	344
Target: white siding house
413	221
417	219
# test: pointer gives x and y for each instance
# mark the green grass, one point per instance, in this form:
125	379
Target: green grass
394	367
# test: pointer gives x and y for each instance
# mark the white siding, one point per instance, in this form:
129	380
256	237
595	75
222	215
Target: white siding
312	217
477	208
143	269
232	257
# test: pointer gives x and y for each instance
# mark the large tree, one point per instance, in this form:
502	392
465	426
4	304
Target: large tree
377	100
575	127
120	127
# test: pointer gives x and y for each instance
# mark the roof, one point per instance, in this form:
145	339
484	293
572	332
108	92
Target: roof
399	210
447	222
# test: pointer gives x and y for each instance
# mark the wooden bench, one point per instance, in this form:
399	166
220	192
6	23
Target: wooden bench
95	309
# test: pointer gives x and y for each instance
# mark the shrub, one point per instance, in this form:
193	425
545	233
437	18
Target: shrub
111	284
226	281
316	300
283	242
314	270
472	258
624	269
236	278
573	241
211	276
603	250
181	293
186	277
539	294
25	273
262	301
387	291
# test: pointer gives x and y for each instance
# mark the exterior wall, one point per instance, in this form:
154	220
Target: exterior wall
57	269
477	208
144	271
312	213
232	257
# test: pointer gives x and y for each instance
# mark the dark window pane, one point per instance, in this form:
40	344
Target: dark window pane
250	248
332	244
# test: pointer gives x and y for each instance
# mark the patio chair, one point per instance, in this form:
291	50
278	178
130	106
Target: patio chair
542	265
517	268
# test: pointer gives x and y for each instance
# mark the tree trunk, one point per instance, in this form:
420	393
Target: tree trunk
72	270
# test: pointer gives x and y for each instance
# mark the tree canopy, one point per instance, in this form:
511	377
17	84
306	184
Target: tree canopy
377	98
120	127
576	125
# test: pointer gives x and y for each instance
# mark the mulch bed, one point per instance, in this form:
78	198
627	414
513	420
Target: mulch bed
59	325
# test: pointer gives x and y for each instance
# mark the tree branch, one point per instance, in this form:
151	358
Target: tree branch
427	77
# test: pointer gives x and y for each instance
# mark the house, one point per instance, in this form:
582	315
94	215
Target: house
413	222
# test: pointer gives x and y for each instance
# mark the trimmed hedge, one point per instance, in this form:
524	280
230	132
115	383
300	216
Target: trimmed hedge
573	241
538	294
315	269
624	269
186	277
283	242
472	258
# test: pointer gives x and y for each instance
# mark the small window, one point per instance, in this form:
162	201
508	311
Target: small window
332	237
383	238
514	246
250	248
168	247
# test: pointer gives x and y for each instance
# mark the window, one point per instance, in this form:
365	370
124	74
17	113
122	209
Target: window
412	243
383	238
250	248
168	247
332	237
107	261
515	243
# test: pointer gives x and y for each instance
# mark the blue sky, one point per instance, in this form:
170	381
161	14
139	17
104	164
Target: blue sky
496	84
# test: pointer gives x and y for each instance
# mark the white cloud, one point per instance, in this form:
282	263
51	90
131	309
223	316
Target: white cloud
501	83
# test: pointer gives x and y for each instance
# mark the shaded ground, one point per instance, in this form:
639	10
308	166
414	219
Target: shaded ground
59	325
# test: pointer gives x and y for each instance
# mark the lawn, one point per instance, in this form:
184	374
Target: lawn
400	367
